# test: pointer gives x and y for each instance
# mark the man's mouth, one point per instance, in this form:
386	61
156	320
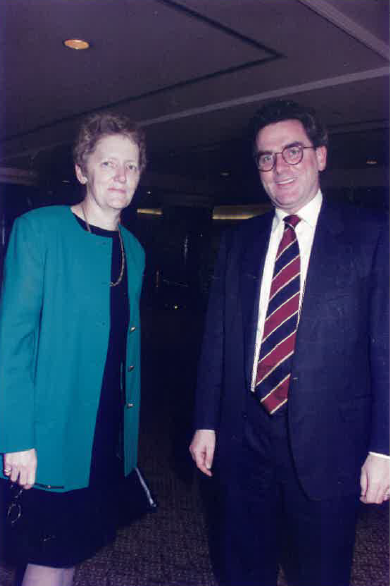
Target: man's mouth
284	181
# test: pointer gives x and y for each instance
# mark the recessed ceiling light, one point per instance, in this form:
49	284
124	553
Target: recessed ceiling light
77	44
371	162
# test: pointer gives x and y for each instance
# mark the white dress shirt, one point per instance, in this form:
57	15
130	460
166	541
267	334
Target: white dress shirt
305	231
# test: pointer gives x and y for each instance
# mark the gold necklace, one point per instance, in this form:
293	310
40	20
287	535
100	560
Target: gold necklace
123	256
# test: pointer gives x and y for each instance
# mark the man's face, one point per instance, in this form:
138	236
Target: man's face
290	187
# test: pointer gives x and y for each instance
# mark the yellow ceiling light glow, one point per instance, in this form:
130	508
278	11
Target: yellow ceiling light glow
76	44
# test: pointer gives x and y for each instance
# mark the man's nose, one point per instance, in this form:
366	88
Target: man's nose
280	163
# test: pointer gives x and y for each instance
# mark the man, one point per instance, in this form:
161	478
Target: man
292	398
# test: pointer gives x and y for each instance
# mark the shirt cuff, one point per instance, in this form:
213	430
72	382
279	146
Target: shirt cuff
380	455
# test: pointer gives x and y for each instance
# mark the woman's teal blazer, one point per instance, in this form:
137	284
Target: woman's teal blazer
54	331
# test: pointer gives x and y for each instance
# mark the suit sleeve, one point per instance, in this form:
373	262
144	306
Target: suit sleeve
20	311
210	370
379	345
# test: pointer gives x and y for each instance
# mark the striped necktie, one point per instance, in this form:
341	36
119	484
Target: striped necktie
281	322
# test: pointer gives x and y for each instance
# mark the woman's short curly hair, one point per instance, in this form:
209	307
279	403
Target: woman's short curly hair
97	126
281	110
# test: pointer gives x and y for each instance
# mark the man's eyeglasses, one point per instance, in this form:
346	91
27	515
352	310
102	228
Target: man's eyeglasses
291	155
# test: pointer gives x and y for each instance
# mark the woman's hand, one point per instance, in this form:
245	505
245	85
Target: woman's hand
21	467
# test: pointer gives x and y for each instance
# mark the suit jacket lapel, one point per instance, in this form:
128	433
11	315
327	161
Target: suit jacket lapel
327	275
251	271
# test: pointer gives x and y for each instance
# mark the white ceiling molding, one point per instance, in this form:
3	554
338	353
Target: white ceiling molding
348	25
255	98
268	95
272	94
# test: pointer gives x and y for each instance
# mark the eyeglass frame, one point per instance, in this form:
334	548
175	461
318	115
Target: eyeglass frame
257	155
14	509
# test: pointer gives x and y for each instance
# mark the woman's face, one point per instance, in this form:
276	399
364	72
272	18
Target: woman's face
111	173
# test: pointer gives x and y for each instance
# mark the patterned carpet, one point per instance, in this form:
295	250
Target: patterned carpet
169	547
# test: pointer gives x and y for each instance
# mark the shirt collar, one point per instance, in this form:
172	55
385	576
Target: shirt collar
309	213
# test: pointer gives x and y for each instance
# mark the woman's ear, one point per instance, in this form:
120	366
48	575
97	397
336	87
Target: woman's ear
80	175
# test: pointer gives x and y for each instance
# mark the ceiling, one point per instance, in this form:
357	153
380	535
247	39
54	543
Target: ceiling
192	72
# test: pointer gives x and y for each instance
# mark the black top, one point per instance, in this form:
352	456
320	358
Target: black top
108	431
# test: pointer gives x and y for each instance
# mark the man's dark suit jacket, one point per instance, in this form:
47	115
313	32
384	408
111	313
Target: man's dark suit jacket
338	406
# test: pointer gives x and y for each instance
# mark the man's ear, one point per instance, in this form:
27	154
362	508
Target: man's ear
321	154
80	175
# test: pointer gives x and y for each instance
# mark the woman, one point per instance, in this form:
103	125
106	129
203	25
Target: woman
70	360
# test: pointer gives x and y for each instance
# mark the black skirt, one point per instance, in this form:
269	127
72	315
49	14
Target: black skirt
57	529
63	529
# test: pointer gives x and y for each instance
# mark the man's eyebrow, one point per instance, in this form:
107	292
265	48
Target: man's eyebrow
287	146
293	144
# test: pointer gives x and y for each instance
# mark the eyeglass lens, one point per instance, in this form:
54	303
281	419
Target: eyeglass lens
291	155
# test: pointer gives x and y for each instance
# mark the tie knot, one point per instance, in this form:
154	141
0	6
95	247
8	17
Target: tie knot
292	220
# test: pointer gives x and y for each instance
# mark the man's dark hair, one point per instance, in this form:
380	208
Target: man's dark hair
280	110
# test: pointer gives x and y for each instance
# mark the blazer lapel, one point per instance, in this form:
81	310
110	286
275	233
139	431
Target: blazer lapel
251	271
327	275
134	277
